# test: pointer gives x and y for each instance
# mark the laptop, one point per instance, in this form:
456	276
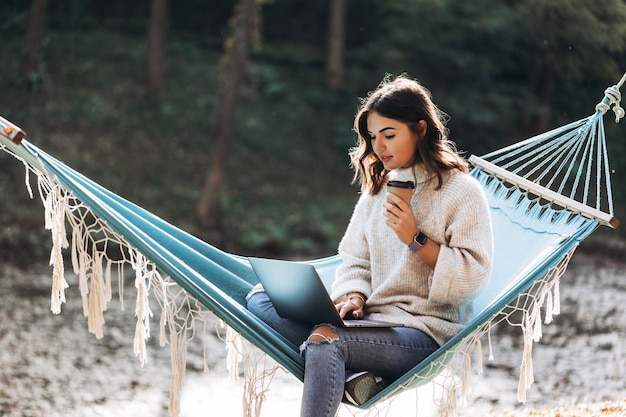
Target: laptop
298	293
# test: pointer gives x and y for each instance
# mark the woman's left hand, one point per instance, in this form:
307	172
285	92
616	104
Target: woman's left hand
400	218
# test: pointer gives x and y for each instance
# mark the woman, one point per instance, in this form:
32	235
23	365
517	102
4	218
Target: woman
417	264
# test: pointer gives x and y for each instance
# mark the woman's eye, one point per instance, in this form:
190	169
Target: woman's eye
390	136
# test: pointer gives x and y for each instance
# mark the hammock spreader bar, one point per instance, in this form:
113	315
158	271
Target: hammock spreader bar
11	131
544	192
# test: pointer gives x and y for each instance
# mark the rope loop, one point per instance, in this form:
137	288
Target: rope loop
619	112
612	96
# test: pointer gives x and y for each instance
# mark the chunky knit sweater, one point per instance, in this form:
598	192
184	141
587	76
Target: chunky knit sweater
398	285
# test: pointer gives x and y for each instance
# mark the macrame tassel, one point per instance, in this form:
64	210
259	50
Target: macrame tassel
448	404
142	308
535	322
466	377
55	222
108	291
75	252
166	311
97	299
120	284
178	358
549	308
552	300
27	179
81	269
526	378
479	356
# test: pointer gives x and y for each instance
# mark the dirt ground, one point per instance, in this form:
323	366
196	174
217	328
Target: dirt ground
51	366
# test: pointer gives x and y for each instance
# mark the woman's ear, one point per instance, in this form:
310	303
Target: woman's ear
422	128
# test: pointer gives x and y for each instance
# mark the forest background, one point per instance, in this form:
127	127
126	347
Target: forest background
233	119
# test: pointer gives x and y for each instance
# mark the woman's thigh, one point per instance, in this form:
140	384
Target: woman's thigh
260	305
389	352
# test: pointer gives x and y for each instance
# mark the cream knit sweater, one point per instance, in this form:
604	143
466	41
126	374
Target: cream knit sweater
398	285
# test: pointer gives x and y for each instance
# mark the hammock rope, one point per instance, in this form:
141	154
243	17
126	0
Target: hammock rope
197	285
562	157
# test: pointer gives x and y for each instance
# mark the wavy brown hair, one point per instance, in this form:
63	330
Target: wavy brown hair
407	101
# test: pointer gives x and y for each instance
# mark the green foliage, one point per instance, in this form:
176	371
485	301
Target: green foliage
502	70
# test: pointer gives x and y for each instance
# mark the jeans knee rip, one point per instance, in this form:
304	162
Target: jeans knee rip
329	335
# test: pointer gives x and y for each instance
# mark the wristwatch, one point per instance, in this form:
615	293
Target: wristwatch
419	241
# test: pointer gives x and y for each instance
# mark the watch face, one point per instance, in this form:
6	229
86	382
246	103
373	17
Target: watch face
418	242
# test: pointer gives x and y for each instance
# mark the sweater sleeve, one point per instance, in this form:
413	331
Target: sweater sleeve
354	273
464	262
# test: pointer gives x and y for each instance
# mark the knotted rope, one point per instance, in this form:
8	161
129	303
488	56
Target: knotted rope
612	96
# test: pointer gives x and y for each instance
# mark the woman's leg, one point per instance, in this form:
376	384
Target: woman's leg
260	305
389	353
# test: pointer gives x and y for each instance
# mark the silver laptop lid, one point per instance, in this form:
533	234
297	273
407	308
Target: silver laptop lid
296	291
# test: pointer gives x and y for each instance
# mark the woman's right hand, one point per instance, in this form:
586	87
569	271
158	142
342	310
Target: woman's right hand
351	304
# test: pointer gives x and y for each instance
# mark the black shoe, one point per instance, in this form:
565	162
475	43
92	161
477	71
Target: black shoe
363	387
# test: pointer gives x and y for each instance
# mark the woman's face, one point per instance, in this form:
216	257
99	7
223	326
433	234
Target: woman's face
393	141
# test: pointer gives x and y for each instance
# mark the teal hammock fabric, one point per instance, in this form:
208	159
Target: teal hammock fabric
532	235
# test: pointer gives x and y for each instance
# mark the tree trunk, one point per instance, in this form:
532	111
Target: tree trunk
336	43
156	47
208	207
31	52
231	70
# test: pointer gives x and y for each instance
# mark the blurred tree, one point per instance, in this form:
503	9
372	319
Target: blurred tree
502	69
245	28
30	64
466	54
558	54
156	46
336	43
203	19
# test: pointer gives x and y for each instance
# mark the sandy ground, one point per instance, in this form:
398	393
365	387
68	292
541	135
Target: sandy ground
51	366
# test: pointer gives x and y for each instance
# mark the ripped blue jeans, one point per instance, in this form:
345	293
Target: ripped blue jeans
385	352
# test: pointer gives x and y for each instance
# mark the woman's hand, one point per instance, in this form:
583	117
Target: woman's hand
351	304
400	218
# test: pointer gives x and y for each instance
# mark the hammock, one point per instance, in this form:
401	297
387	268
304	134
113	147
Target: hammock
536	231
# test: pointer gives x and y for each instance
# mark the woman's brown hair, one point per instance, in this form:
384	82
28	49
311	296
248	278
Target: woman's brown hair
407	101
